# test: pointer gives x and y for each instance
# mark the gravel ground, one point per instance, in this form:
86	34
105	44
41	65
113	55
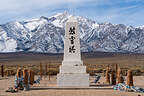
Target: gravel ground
9	82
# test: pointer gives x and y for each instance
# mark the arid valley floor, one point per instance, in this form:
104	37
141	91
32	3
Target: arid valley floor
96	64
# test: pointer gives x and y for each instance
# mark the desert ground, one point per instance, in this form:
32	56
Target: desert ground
48	88
96	64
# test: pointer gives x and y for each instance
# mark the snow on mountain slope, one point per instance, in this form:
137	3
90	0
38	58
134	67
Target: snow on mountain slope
46	34
7	44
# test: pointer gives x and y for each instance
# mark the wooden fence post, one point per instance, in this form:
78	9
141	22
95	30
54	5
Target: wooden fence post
113	78
107	76
31	75
116	69
41	70
49	70
2	70
130	78
46	69
119	76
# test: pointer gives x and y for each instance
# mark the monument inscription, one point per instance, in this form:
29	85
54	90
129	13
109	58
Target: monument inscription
71	33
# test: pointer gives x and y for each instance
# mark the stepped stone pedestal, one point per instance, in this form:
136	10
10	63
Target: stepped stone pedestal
72	72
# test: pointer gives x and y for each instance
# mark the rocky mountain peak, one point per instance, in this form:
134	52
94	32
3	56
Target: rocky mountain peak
46	34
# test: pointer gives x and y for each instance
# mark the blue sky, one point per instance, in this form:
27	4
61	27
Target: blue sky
128	12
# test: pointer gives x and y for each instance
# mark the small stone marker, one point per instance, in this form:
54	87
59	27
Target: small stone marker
72	72
130	78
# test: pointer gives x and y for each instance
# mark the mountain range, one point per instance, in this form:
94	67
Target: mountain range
46	34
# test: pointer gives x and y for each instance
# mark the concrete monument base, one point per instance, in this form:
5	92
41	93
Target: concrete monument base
72	69
73	80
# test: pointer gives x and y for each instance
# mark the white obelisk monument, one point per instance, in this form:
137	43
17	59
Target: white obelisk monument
72	72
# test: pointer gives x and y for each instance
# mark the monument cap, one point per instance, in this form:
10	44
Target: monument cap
72	19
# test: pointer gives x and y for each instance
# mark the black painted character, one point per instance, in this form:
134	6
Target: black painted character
72	39
72	49
72	31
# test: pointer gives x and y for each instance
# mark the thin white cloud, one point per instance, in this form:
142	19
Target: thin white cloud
102	10
14	5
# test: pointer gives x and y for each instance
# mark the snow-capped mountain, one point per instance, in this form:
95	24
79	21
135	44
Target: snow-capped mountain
46	34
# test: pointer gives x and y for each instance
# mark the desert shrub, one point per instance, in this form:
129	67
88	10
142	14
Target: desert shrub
53	71
93	71
136	72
